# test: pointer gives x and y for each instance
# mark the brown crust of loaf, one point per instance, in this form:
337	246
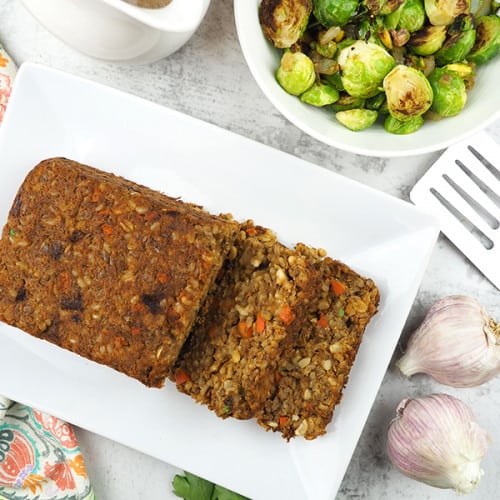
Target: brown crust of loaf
230	361
314	370
106	268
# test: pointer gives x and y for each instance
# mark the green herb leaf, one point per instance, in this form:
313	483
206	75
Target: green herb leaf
191	487
12	232
221	493
341	312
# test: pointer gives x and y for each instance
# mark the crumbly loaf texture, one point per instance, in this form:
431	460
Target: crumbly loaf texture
314	370
106	268
231	357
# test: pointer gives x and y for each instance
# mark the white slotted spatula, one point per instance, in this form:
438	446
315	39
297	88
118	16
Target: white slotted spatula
462	189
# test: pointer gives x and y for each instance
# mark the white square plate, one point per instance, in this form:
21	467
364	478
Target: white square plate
54	114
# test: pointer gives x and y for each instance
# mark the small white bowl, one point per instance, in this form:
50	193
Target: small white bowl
114	30
482	107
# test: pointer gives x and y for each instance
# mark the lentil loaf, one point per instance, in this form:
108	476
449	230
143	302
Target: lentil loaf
106	268
230	360
315	367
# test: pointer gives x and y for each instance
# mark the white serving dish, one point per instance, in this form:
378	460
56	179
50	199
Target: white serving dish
114	30
482	108
54	114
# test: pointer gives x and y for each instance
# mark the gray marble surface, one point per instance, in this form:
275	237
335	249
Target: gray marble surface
208	79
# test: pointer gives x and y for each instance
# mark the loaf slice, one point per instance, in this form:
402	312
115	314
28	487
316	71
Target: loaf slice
106	268
314	370
231	358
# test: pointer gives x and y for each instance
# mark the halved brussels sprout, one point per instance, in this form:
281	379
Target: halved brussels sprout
408	92
428	40
357	119
459	42
410	16
334	12
462	69
284	21
450	94
320	95
443	12
481	7
487	39
395	126
296	72
363	66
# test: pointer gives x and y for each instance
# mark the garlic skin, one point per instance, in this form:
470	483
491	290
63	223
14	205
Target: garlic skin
436	440
458	344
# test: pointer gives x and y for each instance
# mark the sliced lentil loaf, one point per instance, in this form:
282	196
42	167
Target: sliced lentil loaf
314	370
230	360
106	268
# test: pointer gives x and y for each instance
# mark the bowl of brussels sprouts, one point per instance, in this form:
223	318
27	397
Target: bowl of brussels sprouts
383	78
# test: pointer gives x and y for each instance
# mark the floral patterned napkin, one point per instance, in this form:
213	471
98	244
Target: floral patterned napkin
39	454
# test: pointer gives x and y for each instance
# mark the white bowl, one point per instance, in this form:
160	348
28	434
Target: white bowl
114	30
482	108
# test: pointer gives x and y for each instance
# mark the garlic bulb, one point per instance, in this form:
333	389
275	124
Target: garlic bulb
436	440
458	344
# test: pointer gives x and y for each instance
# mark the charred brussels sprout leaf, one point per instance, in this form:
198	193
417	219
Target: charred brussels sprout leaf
450	94
408	92
334	12
284	21
395	126
357	119
346	101
296	72
428	40
459	42
320	95
443	12
363	67
487	43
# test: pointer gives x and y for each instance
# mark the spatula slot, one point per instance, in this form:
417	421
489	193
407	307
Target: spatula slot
494	170
473	229
490	219
494	197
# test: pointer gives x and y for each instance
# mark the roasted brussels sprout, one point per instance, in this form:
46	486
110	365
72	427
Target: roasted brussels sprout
284	21
481	7
410	16
408	92
296	72
428	40
320	95
443	12
395	126
334	12
450	94
363	66
487	43
357	119
459	42
346	101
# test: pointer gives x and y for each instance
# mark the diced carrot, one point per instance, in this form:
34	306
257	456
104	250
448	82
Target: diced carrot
287	315
135	330
107	229
211	332
250	231
260	323
181	377
244	329
65	280
282	421
152	215
162	278
96	194
138	307
338	287
322	321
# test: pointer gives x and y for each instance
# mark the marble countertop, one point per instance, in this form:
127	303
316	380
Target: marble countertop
208	79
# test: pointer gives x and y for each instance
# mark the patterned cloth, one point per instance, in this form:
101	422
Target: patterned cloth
39	455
